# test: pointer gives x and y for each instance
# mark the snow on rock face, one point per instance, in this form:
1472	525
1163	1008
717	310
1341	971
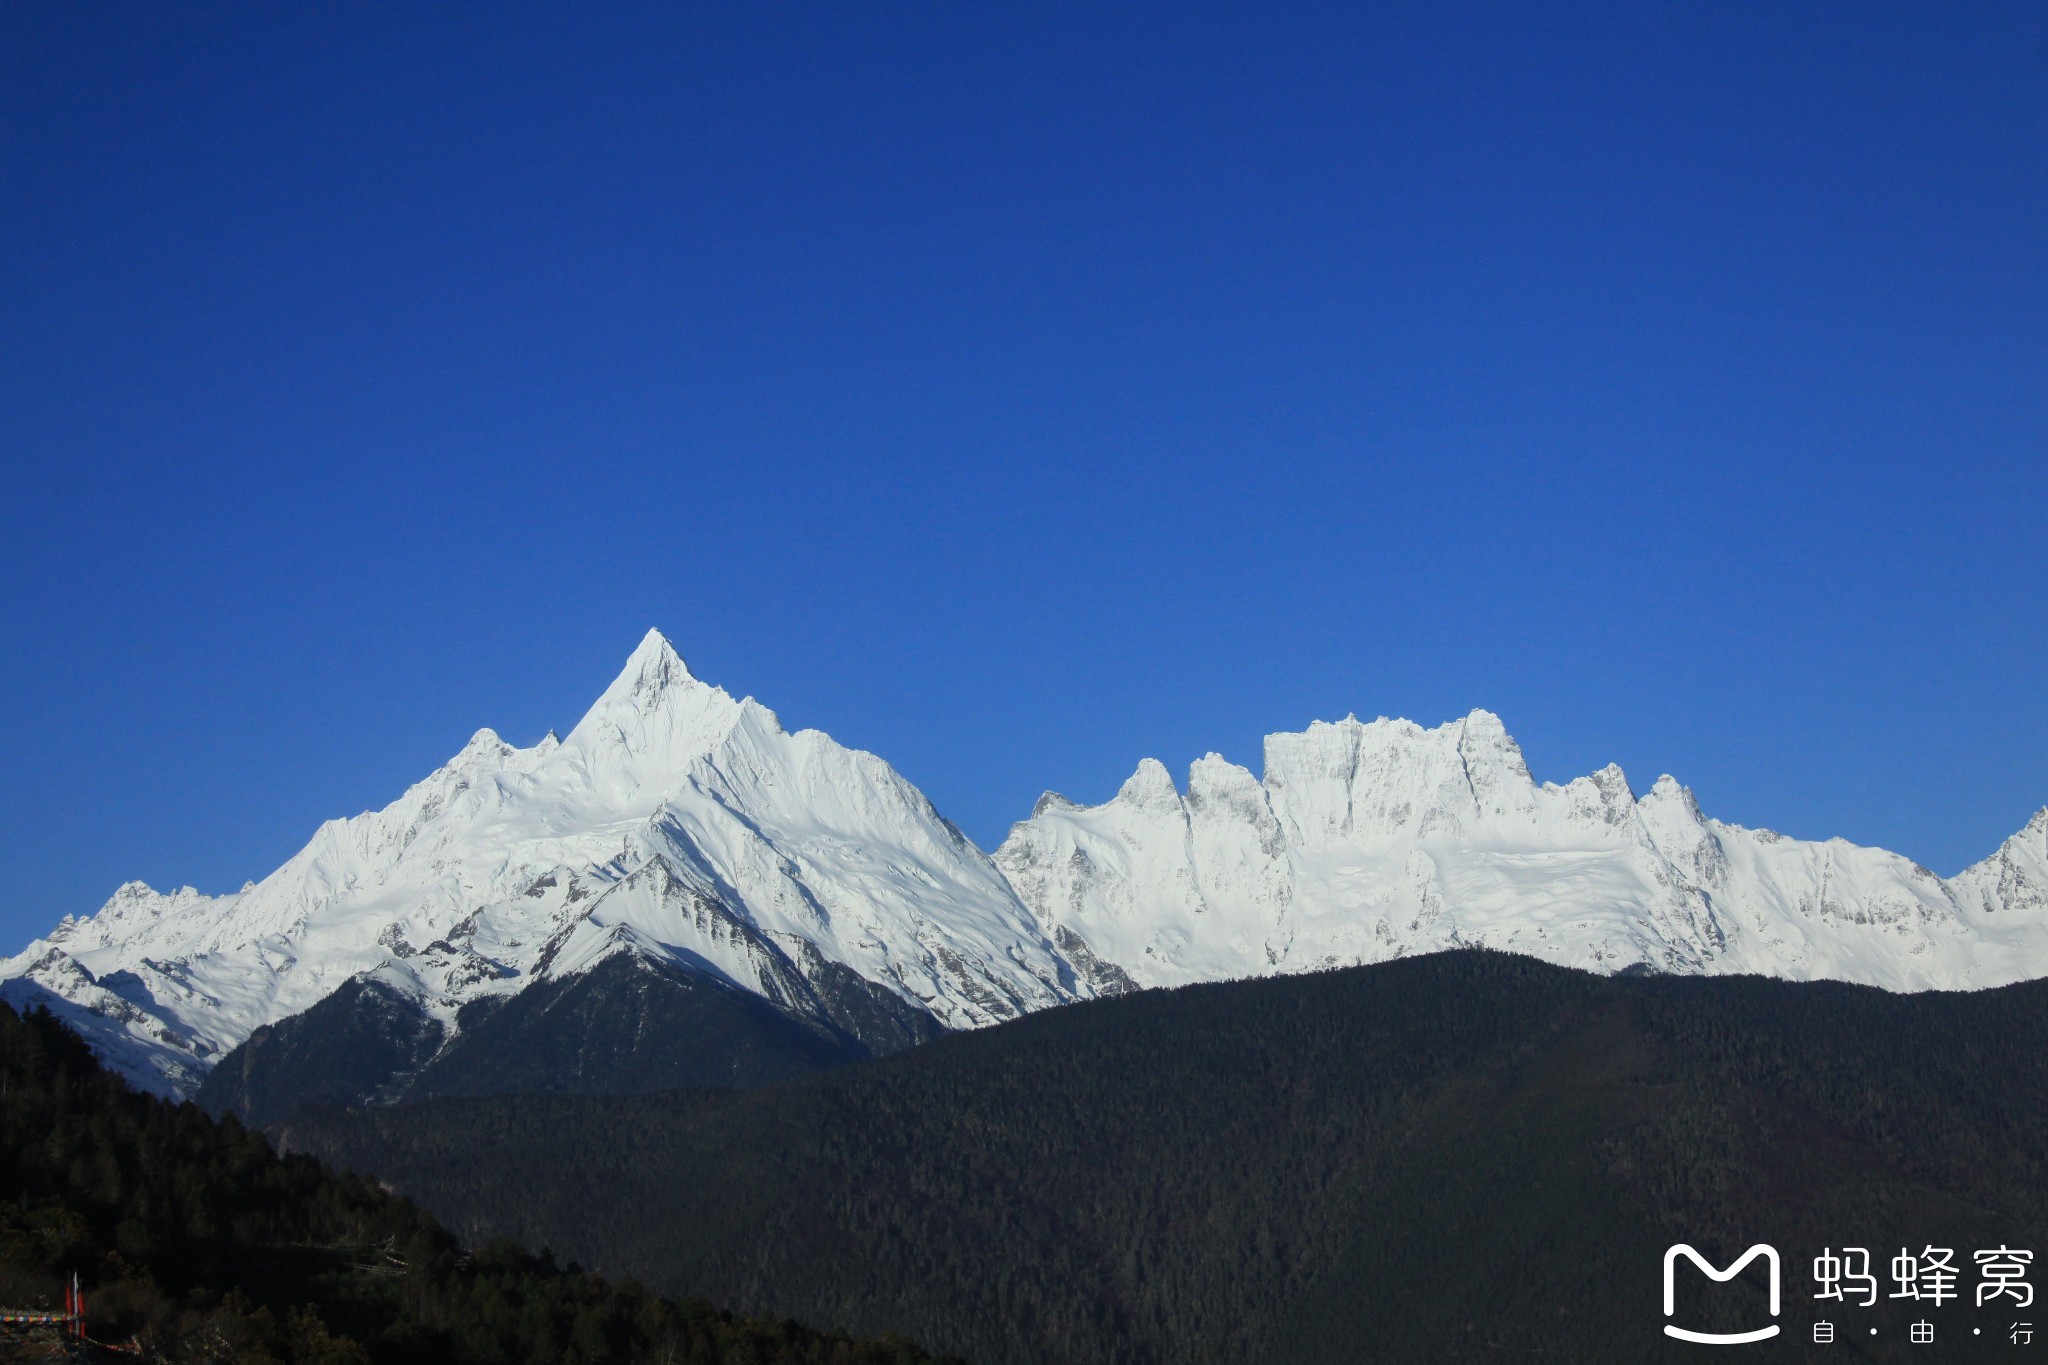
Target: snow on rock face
672	821
1372	841
2012	884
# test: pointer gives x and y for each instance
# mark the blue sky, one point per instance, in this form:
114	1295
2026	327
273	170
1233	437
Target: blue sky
1016	391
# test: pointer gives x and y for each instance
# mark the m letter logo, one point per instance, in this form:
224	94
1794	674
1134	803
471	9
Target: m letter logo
1770	1255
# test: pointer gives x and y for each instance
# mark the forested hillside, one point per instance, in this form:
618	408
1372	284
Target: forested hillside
1458	1157
624	1025
196	1242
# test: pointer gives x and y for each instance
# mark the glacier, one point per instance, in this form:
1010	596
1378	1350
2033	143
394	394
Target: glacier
685	827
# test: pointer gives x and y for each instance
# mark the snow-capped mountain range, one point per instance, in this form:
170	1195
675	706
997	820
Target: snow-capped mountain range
1369	841
686	828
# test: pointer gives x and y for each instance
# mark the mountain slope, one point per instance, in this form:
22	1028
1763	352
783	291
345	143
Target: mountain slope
1365	842
1461	1156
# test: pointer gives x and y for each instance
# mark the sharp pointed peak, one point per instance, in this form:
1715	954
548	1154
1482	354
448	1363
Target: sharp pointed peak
652	668
655	648
654	705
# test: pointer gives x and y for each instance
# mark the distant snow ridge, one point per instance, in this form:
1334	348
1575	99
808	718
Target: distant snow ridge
687	828
1372	841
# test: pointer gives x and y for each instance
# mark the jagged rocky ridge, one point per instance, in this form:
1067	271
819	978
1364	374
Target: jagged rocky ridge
682	834
1372	841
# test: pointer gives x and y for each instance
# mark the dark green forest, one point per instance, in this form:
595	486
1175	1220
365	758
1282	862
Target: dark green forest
1465	1156
196	1242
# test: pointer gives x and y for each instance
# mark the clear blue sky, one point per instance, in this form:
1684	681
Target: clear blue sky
1016	391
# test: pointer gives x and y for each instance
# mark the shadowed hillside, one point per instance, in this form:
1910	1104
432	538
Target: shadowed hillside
1462	1156
196	1243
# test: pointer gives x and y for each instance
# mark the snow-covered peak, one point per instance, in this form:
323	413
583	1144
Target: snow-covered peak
2012	884
648	725
652	668
1150	788
1350	779
2032	840
1671	814
1214	780
484	747
482	876
1602	798
1485	744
